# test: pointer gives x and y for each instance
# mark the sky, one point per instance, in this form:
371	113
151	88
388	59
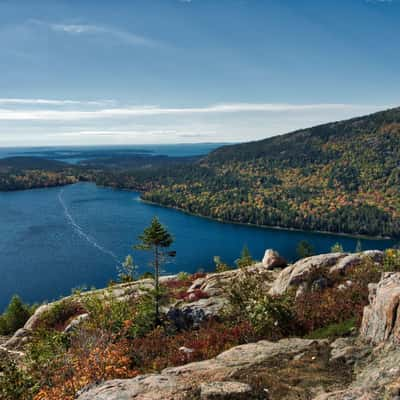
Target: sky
180	71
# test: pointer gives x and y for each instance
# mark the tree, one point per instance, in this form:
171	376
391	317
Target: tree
358	246
245	259
127	270
220	266
305	249
337	248
157	239
15	316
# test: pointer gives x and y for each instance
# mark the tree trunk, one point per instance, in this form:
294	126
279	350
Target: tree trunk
157	284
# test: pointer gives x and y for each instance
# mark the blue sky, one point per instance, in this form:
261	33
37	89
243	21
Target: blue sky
170	71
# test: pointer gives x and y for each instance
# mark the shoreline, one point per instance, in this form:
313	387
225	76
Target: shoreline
279	228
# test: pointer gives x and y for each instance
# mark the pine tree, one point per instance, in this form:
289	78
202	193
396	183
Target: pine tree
305	249
337	248
156	239
245	259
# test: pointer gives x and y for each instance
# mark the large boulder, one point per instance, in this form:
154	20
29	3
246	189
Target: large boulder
216	284
355	259
272	260
381	319
329	264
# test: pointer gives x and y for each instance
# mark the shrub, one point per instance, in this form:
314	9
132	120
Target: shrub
335	330
318	309
269	316
91	356
45	354
15	383
305	249
245	259
15	316
147	275
220	266
60	314
127	271
158	350
183	276
144	319
391	262
337	248
108	313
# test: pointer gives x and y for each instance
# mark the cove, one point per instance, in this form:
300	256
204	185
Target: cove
56	239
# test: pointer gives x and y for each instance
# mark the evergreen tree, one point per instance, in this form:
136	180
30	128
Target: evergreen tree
337	248
305	249
157	239
245	259
15	316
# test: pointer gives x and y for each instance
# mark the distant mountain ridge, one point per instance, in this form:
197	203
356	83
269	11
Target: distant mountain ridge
338	177
300	139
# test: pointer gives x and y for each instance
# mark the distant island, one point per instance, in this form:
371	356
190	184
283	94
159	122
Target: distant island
341	177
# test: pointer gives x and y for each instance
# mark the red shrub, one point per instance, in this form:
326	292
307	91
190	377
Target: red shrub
157	350
317	309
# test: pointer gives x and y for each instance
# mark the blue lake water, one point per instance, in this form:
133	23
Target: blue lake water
52	240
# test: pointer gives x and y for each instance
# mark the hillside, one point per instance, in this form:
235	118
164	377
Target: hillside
30	163
338	177
18	173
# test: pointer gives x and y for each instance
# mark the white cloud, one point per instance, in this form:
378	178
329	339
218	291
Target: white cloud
138	111
132	133
380	1
124	37
53	102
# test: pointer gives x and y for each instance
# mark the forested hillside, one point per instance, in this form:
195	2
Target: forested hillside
17	173
342	177
338	177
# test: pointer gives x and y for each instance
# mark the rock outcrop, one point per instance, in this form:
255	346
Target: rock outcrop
333	263
377	368
381	320
262	370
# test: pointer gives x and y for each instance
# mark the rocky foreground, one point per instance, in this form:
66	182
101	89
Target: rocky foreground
364	366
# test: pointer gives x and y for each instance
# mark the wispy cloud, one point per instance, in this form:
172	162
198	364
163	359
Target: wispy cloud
380	1
133	133
120	36
120	112
54	102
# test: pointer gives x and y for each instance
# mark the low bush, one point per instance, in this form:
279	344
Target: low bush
335	330
60	314
15	316
15	383
270	316
391	261
89	356
108	313
158	350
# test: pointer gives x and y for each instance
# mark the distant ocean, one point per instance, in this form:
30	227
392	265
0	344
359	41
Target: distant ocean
74	154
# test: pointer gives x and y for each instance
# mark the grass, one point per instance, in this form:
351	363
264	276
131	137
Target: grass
334	331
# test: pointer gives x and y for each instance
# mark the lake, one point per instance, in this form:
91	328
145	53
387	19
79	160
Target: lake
53	240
